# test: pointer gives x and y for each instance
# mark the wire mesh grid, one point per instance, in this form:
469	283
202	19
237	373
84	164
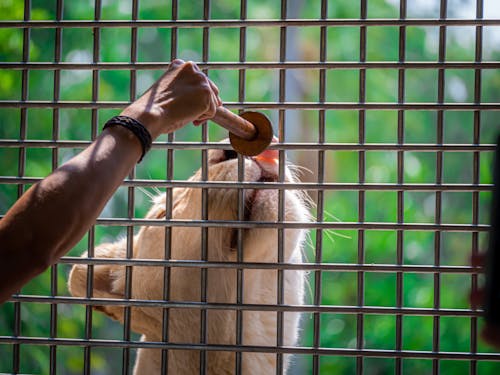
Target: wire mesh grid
388	158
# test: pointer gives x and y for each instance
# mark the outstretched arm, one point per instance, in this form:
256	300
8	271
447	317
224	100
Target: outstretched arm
54	214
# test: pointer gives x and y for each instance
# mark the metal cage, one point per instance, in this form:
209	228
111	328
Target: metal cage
310	135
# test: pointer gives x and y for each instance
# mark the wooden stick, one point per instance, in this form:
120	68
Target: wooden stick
235	124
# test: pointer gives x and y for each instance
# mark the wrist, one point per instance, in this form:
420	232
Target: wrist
134	127
150	118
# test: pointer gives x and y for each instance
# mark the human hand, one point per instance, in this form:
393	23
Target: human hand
489	333
182	94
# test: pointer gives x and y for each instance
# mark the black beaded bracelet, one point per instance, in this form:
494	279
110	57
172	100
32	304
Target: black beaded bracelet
135	127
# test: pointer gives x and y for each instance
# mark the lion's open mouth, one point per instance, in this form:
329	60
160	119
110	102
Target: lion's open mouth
249	203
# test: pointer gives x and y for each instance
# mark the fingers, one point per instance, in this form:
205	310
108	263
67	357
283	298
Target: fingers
175	64
215	90
210	112
195	95
191	67
213	101
213	86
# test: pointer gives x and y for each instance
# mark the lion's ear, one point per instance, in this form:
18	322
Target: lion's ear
108	279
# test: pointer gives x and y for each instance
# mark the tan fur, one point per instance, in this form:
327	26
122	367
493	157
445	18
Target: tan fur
260	285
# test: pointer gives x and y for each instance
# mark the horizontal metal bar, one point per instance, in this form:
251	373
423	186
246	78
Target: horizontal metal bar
255	65
280	185
16	143
293	225
250	23
337	267
298	225
252	348
268	105
379	310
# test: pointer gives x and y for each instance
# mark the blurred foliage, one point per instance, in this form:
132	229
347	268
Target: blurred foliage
263	44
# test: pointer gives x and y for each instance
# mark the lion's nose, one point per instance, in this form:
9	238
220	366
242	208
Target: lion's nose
269	156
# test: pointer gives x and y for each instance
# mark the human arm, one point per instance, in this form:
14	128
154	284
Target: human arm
54	214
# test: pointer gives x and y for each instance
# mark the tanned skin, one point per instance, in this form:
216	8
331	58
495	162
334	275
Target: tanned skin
54	214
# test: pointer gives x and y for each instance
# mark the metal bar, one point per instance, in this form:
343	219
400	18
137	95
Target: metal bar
268	105
338	309
296	225
327	146
256	349
320	196
127	314
368	267
475	177
281	185
128	277
400	194
249	65
240	257
87	350
168	215
96	31
241	198
22	164
439	179
204	204
250	23
361	194
167	256
55	157
281	178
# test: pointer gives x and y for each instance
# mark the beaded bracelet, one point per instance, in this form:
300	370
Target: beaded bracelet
135	127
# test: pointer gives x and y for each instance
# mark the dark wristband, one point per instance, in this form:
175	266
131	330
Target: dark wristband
135	127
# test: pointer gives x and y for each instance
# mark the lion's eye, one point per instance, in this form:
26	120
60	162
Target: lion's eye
230	154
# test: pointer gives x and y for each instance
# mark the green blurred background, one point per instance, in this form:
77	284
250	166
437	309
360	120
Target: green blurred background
338	330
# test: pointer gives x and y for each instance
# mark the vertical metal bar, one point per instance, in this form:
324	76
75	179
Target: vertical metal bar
91	234
241	195
95	73
240	259
400	200
88	308
128	275
55	156
168	213
173	35
439	180
320	195
22	167
361	195
130	207
131	195
133	51
167	256
204	203
281	198
475	174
